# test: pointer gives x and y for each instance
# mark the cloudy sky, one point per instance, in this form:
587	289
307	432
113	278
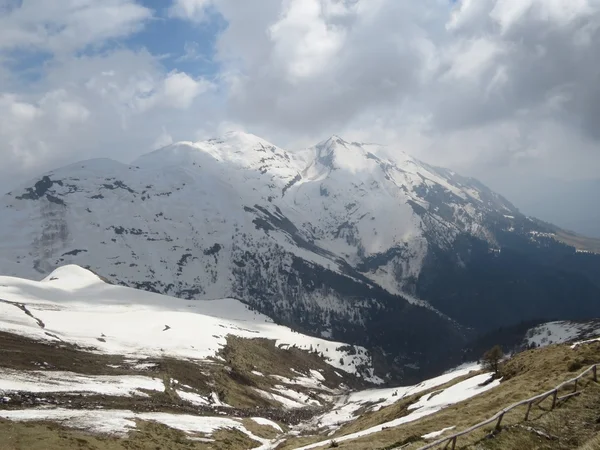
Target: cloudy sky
504	90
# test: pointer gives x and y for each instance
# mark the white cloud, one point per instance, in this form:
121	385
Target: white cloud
163	139
64	110
470	59
305	42
195	10
180	90
511	13
109	105
66	26
491	88
22	112
135	89
488	87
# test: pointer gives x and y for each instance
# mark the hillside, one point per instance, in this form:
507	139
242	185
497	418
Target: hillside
107	358
410	422
343	240
85	363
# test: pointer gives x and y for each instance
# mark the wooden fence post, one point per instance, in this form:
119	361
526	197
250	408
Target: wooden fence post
454	443
499	421
528	410
554	398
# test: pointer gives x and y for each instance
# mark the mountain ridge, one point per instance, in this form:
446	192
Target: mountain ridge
338	240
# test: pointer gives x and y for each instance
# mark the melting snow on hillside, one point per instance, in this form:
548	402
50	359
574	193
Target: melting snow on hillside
75	306
57	381
428	404
374	399
561	332
121	422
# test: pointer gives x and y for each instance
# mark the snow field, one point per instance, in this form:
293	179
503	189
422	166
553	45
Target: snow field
79	308
58	381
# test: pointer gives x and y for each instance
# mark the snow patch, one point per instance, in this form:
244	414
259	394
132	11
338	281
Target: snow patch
267	422
57	381
121	422
435	434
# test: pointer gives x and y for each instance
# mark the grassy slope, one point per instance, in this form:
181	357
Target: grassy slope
527	374
148	436
230	375
578	241
575	424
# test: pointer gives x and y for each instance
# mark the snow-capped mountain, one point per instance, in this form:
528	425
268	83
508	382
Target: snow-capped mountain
107	360
345	240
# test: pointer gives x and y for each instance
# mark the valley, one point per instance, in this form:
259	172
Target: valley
85	363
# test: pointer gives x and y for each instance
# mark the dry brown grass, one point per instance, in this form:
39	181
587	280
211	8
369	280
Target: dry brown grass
575	424
262	431
527	374
578	241
237	382
148	436
21	353
592	444
570	426
231	379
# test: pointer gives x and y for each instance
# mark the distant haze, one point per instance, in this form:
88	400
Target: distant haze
572	205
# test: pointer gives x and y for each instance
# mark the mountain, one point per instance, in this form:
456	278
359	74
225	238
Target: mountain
348	241
84	363
108	359
105	360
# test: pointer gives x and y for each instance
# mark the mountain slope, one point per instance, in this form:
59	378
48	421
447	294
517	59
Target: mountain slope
411	422
342	240
110	360
74	306
83	362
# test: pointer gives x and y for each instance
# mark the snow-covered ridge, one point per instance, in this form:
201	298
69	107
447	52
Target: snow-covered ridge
337	195
561	332
75	306
321	238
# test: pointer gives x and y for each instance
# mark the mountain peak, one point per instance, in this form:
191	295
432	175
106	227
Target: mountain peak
332	141
336	153
237	147
240	138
